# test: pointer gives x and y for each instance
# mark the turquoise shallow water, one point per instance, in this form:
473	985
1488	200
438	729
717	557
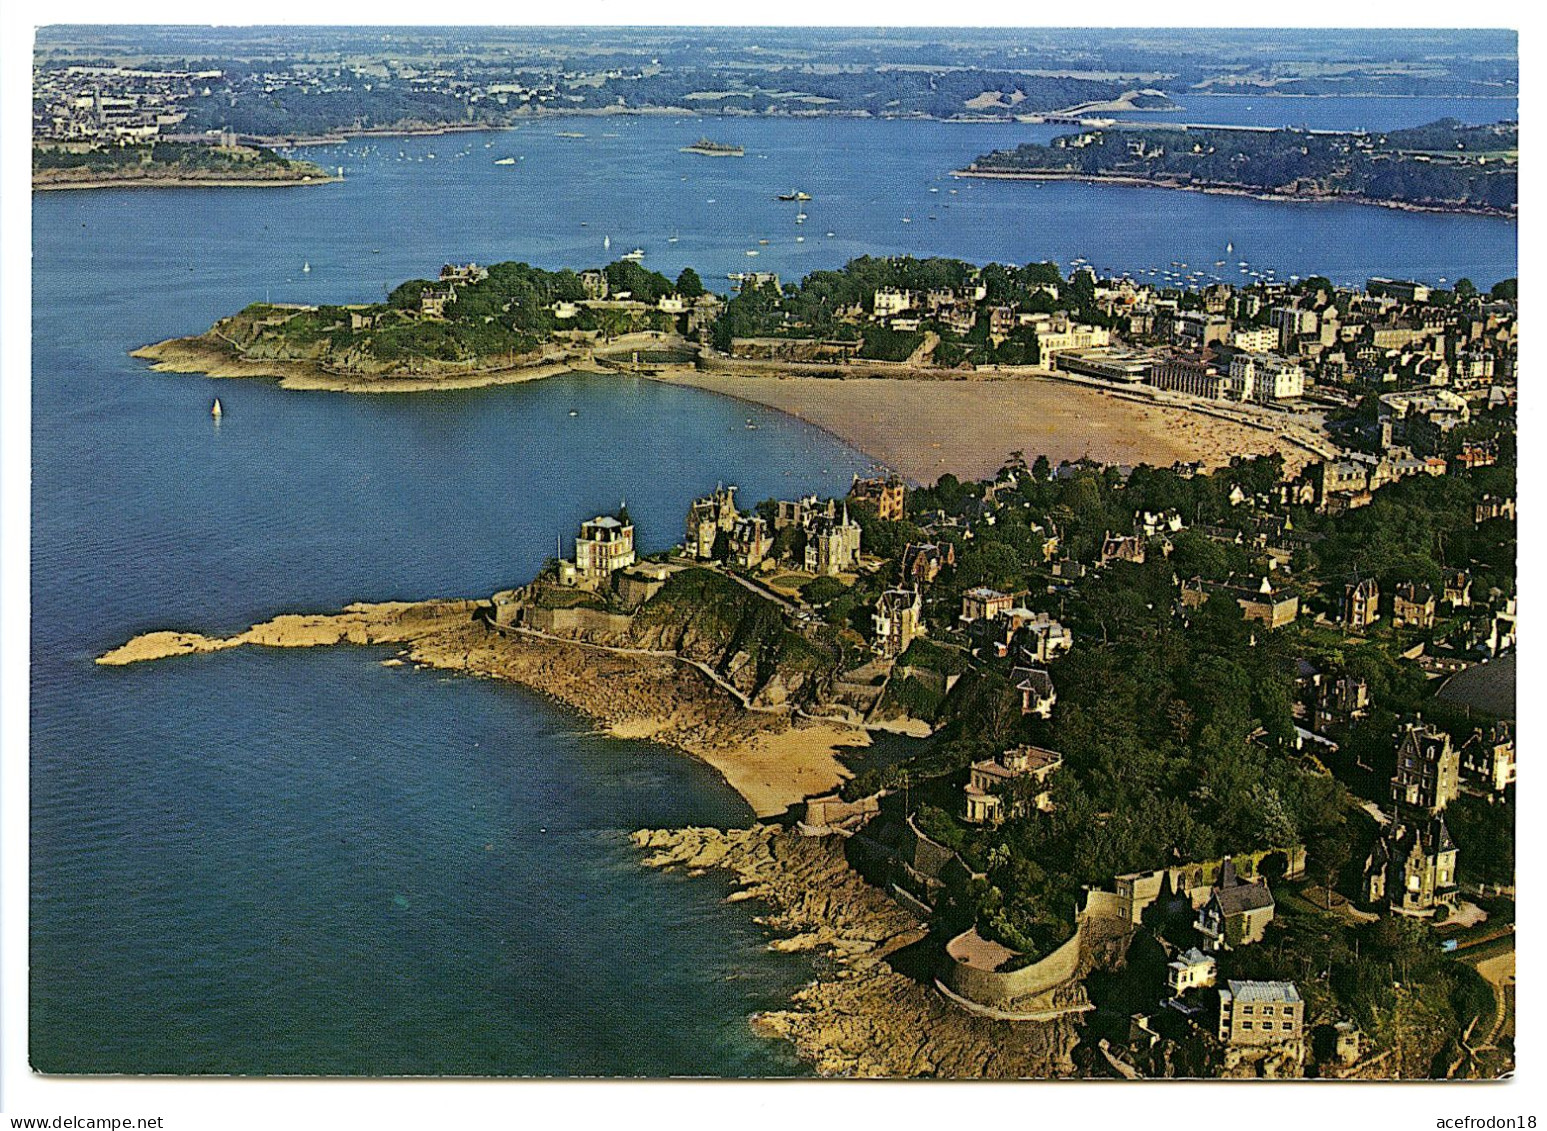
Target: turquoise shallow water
304	862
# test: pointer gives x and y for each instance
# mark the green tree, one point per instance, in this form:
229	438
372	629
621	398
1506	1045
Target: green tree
689	285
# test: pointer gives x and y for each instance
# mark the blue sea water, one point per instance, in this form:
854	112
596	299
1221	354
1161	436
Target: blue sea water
1372	113
306	862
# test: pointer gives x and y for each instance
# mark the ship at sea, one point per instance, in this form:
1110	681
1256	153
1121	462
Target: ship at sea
714	149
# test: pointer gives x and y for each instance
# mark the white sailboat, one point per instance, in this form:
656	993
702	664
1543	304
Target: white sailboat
606	243
306	268
215	410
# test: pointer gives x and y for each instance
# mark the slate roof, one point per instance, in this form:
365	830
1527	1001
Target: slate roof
1263	991
1192	956
1243	898
1033	679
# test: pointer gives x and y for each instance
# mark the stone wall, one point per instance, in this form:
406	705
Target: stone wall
830	810
579	623
1028	989
1138	890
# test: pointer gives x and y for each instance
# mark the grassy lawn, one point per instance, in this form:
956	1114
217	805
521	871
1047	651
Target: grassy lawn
790	582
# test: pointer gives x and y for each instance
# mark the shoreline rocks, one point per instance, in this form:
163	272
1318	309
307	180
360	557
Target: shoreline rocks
860	1016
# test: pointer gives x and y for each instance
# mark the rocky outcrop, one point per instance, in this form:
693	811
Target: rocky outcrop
860	1016
390	622
772	759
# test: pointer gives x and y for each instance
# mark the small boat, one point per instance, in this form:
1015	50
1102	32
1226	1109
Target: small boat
506	161
800	239
763	243
830	233
606	243
215	409
672	238
634	256
569	133
306	268
800	217
752	252
574	412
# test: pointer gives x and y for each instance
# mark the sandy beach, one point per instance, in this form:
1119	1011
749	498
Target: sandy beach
772	760
921	424
923	429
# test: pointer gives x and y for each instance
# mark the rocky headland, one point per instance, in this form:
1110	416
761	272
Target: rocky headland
861	1016
772	758
210	356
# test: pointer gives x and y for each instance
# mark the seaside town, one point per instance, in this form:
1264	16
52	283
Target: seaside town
1383	382
96	124
865	552
1324	921
1198	770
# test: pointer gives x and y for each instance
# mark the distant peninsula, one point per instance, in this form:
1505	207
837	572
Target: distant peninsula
168	164
1443	167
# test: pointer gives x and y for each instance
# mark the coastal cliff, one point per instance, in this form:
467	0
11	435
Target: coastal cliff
862	1016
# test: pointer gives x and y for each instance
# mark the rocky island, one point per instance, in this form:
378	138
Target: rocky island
1444	166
